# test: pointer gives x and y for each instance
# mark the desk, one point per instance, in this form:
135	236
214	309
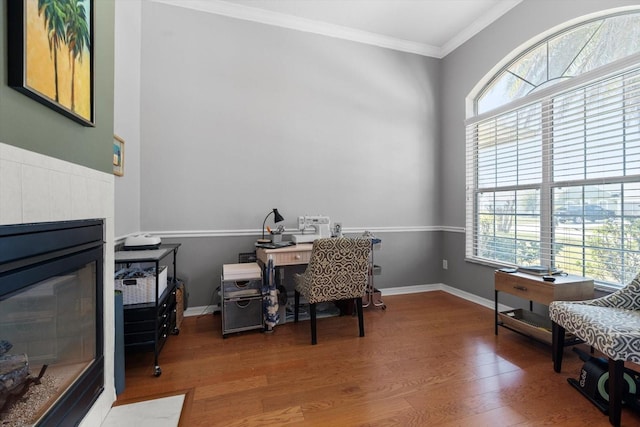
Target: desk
280	257
289	255
535	289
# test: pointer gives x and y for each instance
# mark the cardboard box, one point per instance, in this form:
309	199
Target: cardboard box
179	304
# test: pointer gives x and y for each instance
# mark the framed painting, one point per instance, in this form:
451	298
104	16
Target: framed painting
118	155
50	54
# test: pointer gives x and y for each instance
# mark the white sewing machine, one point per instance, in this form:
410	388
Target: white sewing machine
321	226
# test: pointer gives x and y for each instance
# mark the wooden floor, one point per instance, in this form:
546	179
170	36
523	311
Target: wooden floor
429	359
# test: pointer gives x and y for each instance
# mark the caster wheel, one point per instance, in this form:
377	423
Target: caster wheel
176	331
157	371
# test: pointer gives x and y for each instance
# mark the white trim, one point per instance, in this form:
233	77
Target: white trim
256	232
611	69
201	311
453	229
283	20
478	25
400	290
530	44
278	19
403	290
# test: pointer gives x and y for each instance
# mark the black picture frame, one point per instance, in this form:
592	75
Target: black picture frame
51	60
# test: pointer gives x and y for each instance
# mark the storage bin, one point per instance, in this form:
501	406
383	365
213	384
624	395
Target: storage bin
142	289
241	288
242	314
241	292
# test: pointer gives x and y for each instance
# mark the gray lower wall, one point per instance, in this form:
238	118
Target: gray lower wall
462	70
403	257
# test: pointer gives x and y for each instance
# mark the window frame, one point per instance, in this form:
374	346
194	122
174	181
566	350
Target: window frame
544	97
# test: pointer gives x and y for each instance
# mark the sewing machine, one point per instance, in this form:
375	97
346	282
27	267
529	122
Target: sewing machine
321	226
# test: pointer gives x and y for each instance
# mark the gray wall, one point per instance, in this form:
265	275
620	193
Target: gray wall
239	117
126	120
28	124
462	70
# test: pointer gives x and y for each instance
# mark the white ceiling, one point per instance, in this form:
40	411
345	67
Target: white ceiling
426	27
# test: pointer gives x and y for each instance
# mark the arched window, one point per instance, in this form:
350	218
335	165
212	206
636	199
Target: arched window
568	54
553	155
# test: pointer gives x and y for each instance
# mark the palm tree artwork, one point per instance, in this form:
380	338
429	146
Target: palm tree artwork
56	29
77	38
53	13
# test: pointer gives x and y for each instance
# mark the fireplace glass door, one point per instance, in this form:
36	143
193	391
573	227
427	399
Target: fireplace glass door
50	336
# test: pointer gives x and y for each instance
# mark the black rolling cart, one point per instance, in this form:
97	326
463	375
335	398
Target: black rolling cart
149	306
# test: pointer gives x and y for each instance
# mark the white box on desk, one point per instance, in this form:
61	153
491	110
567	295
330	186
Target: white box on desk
142	289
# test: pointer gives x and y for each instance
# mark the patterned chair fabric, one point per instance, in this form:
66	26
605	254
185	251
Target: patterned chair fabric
338	270
610	324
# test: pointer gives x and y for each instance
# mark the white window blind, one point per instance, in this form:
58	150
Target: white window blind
556	182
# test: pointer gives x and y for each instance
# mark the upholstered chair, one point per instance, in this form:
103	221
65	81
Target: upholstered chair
610	324
338	270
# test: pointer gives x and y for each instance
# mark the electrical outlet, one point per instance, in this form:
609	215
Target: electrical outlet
445	264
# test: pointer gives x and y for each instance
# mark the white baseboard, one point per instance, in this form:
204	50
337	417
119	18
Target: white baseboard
400	290
202	310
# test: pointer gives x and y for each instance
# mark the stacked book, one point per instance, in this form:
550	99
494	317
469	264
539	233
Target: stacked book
538	270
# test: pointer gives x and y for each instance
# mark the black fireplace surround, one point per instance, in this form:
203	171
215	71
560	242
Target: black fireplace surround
33	253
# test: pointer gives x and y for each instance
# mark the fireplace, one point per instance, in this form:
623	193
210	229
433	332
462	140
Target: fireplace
51	321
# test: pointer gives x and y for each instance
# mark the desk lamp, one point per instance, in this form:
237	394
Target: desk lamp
276	218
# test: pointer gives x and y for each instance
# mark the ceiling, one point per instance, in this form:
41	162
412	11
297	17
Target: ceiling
426	27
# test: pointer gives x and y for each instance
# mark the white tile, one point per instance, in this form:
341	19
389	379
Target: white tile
60	196
9	152
35	188
35	194
38	160
10	192
79	198
163	412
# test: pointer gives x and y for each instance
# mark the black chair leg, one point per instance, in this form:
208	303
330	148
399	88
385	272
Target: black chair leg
296	306
616	371
360	315
557	346
312	315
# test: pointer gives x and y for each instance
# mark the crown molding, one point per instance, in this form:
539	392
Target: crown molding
478	25
306	25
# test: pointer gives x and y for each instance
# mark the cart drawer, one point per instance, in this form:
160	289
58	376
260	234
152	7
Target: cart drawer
241	313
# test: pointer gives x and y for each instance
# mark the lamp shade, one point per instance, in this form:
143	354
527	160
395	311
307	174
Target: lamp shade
276	216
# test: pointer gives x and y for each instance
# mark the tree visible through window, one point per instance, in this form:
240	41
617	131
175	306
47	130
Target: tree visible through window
555	180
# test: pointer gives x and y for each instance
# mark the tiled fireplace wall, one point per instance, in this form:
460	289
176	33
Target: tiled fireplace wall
37	188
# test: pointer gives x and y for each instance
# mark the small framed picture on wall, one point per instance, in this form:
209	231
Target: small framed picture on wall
118	155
